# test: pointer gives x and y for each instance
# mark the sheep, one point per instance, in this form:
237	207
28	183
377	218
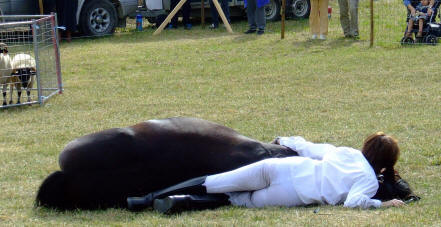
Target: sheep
5	72
24	70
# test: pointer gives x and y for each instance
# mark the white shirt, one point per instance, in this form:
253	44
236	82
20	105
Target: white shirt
336	175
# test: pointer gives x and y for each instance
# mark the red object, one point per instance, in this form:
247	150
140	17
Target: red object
329	12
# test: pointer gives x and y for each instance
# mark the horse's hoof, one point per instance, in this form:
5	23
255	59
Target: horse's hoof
4	104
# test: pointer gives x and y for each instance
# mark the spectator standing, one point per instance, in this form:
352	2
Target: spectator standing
349	17
256	16
215	14
185	10
318	19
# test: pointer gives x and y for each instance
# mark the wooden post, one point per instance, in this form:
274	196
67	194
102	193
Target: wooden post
202	13
40	4
222	15
169	17
282	32
371	43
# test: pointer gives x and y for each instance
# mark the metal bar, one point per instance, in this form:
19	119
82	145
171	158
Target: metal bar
21	104
371	6
24	16
55	42
282	30
37	61
202	13
15	23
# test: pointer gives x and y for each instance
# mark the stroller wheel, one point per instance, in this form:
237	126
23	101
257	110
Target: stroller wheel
407	41
430	39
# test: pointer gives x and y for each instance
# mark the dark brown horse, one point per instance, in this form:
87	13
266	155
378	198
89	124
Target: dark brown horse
102	169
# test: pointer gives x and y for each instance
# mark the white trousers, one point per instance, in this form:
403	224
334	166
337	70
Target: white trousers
264	183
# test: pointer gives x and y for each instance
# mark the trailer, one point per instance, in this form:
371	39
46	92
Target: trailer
93	17
156	10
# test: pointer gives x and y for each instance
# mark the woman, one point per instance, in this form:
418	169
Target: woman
318	19
323	174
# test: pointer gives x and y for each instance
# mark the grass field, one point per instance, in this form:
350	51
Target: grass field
337	91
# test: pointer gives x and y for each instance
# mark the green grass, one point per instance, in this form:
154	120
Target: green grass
337	91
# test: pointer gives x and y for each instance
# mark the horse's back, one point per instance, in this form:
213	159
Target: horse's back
151	142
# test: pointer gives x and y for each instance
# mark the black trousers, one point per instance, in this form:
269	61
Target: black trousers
185	10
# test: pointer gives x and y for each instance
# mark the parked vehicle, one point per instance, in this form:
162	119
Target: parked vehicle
154	9
94	17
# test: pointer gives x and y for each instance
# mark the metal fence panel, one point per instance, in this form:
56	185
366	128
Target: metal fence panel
34	52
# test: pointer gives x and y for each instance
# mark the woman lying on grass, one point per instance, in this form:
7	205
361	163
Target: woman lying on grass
323	174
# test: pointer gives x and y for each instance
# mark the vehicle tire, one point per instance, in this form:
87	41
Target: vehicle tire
272	10
407	41
430	39
300	8
98	17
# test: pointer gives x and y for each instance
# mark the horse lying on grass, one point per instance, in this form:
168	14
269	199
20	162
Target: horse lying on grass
102	169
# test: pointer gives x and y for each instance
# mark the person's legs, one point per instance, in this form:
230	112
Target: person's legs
186	10
314	18
174	20
251	11
214	14
264	183
251	177
409	28
260	18
323	15
344	17
353	9
226	9
420	28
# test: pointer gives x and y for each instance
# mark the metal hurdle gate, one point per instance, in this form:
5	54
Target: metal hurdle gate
34	35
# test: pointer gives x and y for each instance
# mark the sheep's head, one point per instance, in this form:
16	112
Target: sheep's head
3	48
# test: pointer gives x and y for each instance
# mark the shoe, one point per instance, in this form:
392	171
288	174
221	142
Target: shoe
322	37
260	32
213	26
179	203
250	31
314	36
170	26
192	186
188	26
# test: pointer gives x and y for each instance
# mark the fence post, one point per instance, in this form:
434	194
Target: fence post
37	61
56	43
282	32
371	43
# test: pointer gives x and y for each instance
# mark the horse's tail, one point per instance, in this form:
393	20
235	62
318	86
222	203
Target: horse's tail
93	190
52	192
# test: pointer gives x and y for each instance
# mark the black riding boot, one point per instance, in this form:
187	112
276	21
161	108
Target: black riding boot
193	186
178	203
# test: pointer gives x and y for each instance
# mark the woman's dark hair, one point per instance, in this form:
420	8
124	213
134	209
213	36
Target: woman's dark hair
381	151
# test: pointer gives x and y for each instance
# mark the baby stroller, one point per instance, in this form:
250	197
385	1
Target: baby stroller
431	29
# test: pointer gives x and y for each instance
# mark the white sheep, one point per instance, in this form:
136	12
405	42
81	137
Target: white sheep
5	71
24	70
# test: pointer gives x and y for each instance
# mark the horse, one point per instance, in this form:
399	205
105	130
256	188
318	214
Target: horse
102	169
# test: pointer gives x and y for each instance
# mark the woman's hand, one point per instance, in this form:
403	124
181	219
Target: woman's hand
393	202
275	141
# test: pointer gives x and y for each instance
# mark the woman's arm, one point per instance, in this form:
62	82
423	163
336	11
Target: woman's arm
393	202
305	148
